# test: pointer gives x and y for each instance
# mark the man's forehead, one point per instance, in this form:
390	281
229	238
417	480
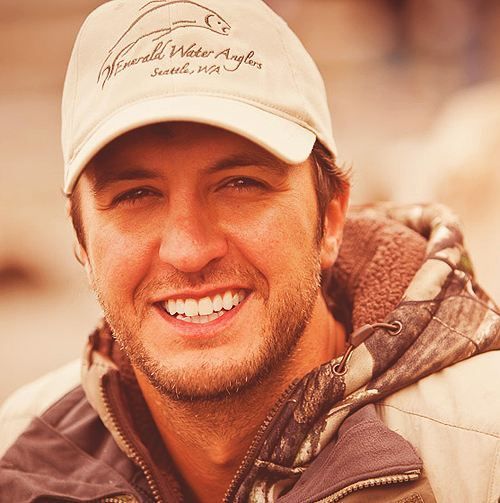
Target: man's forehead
107	154
124	158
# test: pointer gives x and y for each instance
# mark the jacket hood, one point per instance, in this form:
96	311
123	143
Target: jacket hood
403	286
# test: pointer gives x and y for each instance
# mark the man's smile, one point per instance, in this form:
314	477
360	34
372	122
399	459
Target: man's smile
204	309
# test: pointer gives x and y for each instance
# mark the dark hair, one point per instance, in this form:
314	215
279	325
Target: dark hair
76	215
330	181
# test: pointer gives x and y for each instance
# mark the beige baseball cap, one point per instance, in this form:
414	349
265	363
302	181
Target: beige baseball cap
234	64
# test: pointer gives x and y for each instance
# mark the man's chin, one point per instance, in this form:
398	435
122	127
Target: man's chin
204	383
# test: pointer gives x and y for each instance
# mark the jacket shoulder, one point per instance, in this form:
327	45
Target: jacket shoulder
33	399
452	419
64	450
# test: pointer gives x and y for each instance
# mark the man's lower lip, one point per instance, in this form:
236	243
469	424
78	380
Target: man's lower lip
208	329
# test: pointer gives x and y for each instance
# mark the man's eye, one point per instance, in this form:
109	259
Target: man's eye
134	195
243	183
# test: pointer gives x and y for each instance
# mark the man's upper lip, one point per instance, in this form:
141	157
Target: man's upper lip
198	294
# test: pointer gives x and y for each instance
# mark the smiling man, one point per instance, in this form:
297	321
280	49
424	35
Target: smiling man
190	269
258	345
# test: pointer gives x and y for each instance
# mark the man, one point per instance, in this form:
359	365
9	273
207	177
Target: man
244	355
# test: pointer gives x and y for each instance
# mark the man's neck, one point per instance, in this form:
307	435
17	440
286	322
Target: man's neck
208	440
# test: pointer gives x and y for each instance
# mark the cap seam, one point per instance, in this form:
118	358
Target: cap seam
76	53
290	67
169	10
241	99
77	73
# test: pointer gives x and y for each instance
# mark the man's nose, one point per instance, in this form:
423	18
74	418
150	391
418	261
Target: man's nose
191	238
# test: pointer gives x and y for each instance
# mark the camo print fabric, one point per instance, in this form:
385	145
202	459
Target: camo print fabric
445	318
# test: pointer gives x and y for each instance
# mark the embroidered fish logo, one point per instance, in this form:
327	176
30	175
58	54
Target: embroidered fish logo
177	14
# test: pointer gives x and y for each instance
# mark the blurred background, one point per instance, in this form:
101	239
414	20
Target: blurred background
414	89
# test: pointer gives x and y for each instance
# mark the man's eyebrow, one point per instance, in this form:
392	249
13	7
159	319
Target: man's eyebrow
104	176
263	159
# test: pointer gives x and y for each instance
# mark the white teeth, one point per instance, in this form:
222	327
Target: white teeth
179	305
200	319
217	303
227	301
171	308
203	310
205	306
236	299
191	307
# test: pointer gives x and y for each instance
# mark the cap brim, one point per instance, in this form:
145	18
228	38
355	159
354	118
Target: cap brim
287	140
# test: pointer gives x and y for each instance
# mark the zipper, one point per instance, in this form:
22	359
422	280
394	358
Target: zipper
252	452
117	499
131	452
366	484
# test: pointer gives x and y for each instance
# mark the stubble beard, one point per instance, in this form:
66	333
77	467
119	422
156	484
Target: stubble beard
287	319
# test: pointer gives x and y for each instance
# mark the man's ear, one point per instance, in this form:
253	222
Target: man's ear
79	250
333	229
82	257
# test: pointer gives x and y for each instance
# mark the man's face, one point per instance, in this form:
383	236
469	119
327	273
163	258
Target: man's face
202	249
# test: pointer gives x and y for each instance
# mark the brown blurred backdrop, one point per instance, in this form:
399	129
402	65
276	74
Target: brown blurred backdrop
415	101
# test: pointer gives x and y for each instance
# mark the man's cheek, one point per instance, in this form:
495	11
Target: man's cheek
117	259
268	221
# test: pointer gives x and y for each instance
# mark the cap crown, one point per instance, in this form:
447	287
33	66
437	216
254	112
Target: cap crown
133	52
